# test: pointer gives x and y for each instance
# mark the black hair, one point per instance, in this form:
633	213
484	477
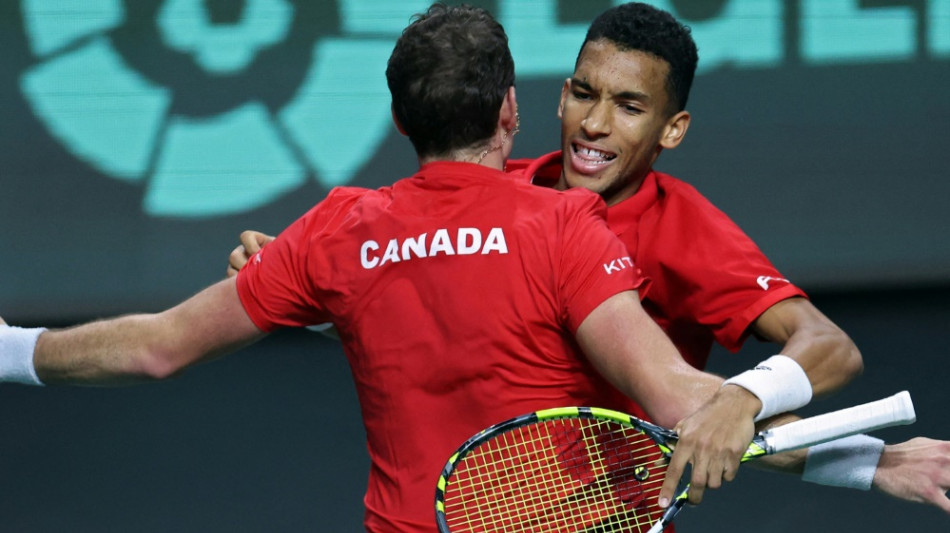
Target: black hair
642	27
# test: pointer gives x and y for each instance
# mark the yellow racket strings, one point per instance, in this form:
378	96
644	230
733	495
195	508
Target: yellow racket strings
561	475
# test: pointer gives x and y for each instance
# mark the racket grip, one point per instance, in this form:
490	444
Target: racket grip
670	513
893	411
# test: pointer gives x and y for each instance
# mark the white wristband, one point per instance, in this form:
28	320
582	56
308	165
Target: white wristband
16	354
779	382
849	462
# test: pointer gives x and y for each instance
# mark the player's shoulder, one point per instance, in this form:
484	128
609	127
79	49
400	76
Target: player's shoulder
577	201
543	170
677	193
550	203
677	188
344	192
338	202
347	196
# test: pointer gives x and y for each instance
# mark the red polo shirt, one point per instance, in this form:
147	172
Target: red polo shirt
455	297
708	280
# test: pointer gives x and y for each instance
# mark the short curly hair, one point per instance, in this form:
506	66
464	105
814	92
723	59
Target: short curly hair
448	75
642	27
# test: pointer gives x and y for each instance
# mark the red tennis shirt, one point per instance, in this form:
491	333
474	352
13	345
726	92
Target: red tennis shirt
455	293
708	280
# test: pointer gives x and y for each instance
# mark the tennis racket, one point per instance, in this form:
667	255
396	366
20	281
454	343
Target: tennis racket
592	470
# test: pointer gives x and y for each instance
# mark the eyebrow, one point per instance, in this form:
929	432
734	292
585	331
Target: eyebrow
624	95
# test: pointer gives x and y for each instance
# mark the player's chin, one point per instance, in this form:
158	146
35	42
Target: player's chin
595	181
582	170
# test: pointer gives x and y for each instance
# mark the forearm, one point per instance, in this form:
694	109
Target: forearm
674	390
646	367
827	355
792	462
114	352
851	462
146	347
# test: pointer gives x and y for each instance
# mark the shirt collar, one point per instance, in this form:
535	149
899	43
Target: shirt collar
456	169
627	213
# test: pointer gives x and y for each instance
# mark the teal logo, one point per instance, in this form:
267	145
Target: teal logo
218	107
178	95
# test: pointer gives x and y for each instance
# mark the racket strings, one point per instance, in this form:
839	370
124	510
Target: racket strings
563	475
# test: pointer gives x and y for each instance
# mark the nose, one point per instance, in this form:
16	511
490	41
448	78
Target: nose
597	122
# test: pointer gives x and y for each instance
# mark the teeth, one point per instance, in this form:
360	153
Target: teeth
592	153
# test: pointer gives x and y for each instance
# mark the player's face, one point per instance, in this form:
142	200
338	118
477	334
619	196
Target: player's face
614	119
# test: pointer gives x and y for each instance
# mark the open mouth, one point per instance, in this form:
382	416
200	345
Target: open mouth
587	160
592	155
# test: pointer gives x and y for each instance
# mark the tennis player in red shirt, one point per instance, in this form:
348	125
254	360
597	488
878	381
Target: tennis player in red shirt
458	302
709	282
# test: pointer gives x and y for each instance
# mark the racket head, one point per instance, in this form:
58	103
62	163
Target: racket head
559	470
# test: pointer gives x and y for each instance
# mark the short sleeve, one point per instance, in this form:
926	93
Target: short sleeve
288	282
706	269
594	264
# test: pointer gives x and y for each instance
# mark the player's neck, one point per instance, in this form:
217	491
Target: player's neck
613	198
492	155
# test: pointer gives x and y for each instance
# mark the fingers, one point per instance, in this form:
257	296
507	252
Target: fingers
708	470
236	260
673	474
703	476
713	440
941	501
710	474
710	467
917	470
251	243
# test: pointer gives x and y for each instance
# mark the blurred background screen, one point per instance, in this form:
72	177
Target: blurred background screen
138	138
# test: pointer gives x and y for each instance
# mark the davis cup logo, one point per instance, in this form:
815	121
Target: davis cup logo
215	107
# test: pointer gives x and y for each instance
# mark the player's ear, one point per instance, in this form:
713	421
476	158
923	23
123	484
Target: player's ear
508	116
675	130
396	121
565	91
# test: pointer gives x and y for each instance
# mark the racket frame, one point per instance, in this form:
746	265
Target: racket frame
662	437
891	411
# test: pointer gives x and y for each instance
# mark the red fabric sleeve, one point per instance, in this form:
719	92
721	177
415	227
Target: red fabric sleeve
595	265
278	285
706	268
544	170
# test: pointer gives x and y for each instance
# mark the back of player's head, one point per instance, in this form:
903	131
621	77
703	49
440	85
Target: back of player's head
448	75
641	27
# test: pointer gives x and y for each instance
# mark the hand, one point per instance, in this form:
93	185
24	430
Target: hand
713	440
917	470
251	243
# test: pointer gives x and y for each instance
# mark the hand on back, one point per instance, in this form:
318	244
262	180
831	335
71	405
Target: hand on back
251	243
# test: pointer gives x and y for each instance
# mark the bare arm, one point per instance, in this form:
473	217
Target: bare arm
630	350
824	351
147	347
714	422
917	470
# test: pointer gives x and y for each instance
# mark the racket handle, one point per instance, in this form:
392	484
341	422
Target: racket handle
893	411
670	513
